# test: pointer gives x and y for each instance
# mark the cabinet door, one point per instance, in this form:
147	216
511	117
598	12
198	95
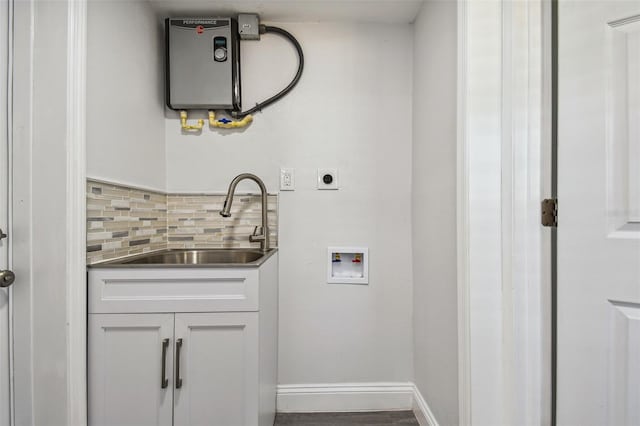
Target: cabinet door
126	357
218	365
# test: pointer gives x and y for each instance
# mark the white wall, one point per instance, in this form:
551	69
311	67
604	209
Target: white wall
125	94
351	110
434	208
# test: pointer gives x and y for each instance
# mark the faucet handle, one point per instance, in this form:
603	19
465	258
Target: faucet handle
255	237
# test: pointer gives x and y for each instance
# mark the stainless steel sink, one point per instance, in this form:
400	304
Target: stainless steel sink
191	258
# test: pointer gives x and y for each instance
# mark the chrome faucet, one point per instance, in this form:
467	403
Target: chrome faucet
263	236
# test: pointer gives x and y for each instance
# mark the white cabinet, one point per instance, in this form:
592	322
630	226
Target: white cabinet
127	353
218	369
117	290
183	366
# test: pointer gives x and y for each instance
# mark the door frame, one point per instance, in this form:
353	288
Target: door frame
504	171
76	209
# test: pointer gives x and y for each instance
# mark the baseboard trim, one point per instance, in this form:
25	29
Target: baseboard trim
337	397
421	409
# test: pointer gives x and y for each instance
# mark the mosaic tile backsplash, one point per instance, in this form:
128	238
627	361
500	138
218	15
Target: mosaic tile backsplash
194	221
123	221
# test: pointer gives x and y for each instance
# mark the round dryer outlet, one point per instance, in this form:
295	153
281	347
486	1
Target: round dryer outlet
327	178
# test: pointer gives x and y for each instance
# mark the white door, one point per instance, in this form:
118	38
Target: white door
217	364
5	296
130	369
599	213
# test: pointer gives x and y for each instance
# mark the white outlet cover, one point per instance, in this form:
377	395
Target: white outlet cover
287	179
334	182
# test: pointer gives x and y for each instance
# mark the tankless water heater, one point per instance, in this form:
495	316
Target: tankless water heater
203	64
203	69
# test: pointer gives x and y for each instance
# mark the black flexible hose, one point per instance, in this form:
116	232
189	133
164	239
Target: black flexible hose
290	86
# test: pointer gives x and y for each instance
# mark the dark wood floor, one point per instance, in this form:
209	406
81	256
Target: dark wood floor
382	418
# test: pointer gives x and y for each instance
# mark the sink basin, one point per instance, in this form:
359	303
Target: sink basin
201	257
198	257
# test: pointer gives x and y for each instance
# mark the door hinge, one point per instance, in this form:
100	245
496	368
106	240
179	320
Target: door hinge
549	212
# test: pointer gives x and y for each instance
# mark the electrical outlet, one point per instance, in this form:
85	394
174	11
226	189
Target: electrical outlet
327	178
287	179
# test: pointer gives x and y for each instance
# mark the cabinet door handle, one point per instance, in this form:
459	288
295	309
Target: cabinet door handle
178	350
164	382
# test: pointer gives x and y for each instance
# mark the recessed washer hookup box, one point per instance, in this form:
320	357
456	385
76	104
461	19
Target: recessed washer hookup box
202	64
348	265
